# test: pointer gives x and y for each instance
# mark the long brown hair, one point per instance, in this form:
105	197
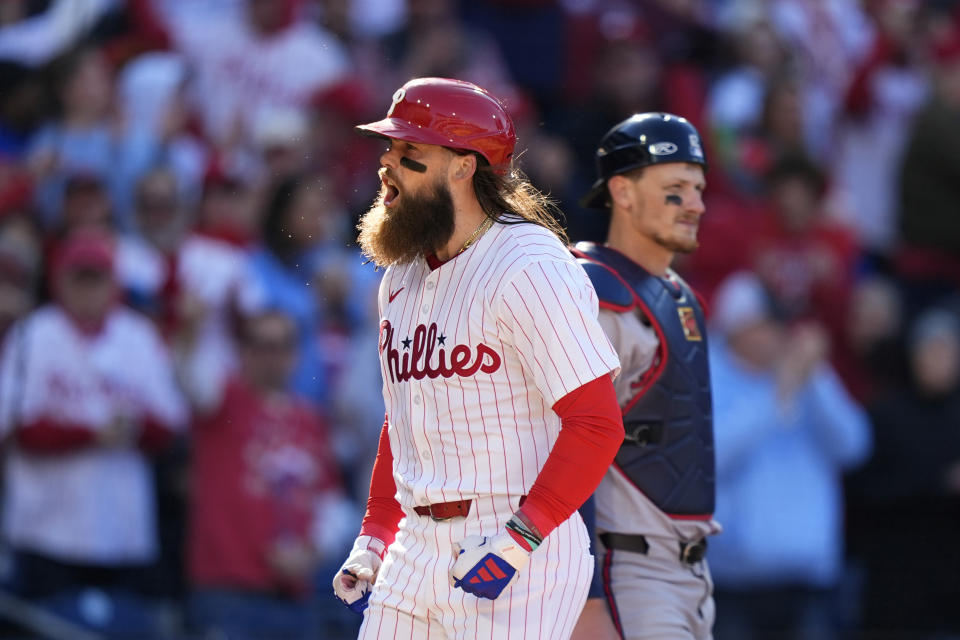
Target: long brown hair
500	192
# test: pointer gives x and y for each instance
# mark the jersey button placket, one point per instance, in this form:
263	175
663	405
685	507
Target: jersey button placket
429	286
416	390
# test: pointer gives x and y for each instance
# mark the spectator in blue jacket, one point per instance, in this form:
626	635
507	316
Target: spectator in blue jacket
305	268
786	429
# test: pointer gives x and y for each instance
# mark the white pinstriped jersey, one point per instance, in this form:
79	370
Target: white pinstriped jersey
475	353
94	504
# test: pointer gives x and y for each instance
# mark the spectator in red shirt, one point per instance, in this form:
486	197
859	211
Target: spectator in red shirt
261	469
805	259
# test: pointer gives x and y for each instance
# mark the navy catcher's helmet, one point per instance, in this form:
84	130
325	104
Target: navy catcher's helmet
641	140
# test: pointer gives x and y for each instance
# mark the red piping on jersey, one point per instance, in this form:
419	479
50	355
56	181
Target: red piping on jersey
616	307
703	303
649	377
619	308
652	374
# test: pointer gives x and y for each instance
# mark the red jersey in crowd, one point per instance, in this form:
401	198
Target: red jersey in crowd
260	463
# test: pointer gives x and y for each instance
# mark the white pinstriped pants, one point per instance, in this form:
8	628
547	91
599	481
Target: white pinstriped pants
413	598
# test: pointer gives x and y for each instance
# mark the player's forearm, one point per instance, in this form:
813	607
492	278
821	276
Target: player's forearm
842	426
155	436
383	515
591	433
50	436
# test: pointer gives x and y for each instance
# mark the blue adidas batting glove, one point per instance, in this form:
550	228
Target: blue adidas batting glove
486	566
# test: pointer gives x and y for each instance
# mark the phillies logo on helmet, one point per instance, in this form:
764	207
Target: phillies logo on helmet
417	358
398	97
448	113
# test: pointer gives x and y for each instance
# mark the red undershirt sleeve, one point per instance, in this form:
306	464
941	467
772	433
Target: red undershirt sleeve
50	436
383	515
590	435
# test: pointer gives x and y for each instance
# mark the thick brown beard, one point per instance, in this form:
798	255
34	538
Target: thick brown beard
418	226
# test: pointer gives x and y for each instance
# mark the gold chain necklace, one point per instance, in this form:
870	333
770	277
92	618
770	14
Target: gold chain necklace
486	224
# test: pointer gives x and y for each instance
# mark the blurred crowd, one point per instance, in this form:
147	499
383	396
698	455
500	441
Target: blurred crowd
189	385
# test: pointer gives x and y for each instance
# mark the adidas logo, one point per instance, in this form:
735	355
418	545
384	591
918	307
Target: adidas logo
483	575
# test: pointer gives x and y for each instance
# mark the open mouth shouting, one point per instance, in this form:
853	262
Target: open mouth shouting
390	190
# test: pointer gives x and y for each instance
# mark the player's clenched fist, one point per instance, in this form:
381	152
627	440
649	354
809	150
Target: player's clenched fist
352	583
486	566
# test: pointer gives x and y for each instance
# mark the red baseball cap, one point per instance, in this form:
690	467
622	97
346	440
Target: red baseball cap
86	249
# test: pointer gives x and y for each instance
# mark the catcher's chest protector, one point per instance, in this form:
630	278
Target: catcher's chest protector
668	448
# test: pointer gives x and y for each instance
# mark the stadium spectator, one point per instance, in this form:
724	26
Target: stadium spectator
146	258
211	268
86	137
261	468
248	59
785	428
20	263
911	490
281	139
827	39
33	37
887	88
930	186
868	355
152	95
805	259
304	268
780	133
436	42
335	151
737	96
22	108
87	395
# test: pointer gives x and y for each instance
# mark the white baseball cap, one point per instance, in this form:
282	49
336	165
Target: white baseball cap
740	301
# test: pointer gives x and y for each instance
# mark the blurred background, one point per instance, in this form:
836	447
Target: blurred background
189	386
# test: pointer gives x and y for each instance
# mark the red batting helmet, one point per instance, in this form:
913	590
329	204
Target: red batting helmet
449	113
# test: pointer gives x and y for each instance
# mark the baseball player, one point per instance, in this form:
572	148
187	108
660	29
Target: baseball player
655	503
501	412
